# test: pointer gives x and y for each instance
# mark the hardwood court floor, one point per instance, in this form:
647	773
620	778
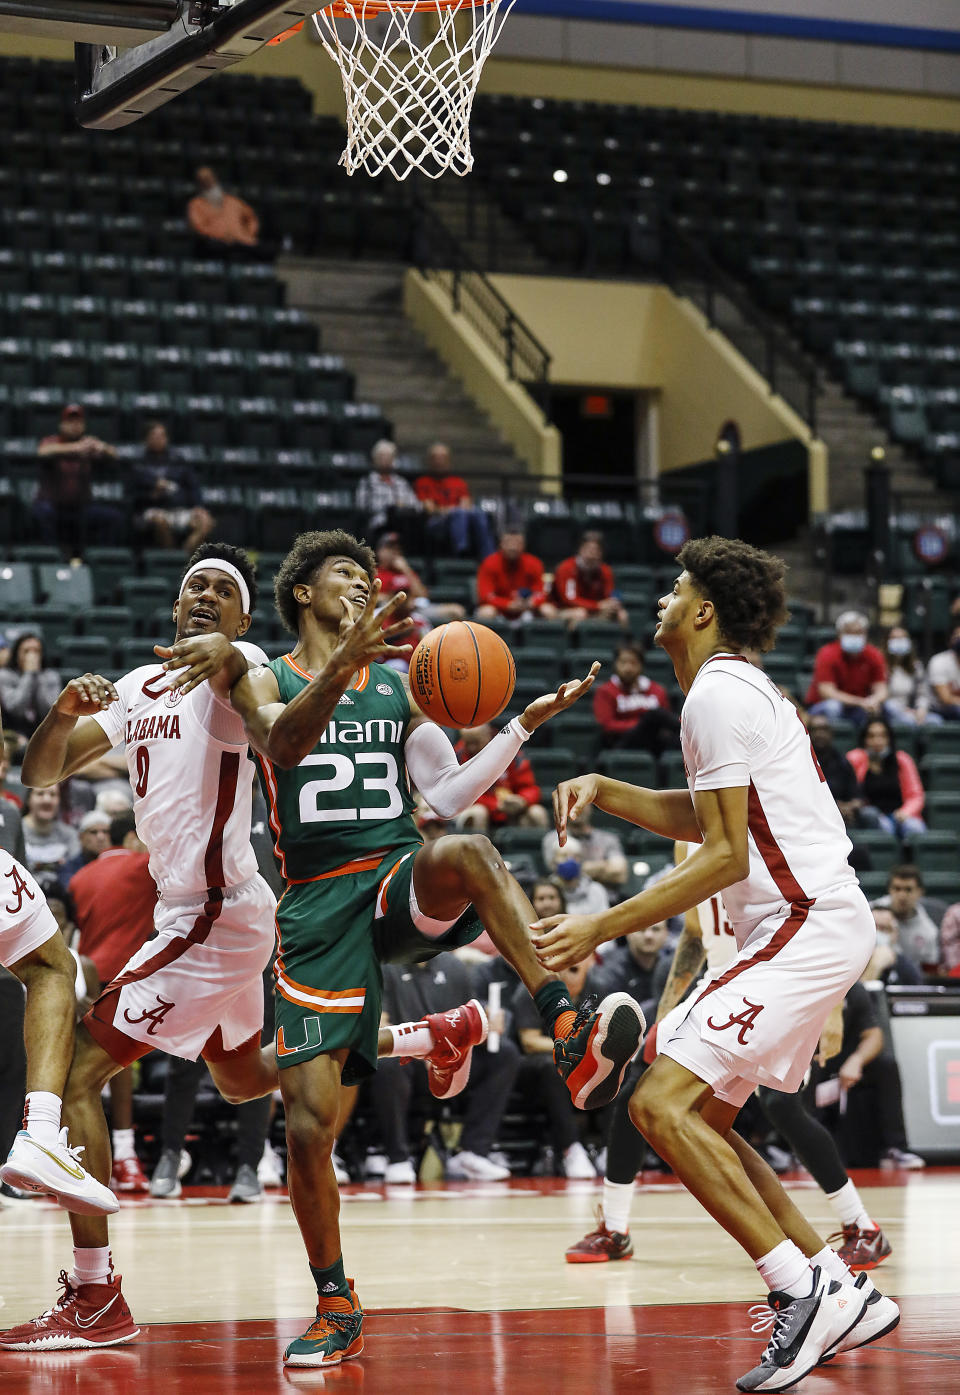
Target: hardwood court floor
467	1291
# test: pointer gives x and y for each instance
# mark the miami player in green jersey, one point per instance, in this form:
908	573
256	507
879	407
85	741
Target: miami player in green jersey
340	741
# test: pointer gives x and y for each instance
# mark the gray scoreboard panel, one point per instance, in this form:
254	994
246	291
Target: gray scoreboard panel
925	1029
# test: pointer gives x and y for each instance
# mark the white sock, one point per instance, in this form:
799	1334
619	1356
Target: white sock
123	1145
92	1266
41	1116
617	1198
848	1204
787	1269
832	1265
411	1039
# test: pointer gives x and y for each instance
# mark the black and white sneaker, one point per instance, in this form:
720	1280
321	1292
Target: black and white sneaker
804	1329
880	1316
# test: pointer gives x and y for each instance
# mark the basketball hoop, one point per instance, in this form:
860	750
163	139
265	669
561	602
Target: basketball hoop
410	95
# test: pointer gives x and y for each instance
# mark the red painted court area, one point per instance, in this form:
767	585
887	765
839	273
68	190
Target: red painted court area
687	1349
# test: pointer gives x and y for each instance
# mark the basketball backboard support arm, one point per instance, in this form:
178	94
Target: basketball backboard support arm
116	86
89	21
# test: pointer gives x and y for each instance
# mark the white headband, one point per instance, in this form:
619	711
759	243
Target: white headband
217	564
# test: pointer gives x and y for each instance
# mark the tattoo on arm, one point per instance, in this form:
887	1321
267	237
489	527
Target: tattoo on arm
688	960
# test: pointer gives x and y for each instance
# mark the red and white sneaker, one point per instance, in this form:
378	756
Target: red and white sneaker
90	1315
127	1176
455	1034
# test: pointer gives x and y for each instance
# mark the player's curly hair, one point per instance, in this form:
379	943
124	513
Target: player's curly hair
745	585
226	552
304	560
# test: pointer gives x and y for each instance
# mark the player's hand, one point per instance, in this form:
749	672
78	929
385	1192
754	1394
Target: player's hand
831	1038
561	941
195	659
367	635
84	696
543	708
569	798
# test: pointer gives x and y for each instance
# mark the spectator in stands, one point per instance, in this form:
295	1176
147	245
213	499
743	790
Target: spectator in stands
220	220
583	586
909	697
28	686
631	709
62	508
396	574
5	645
890	785
510	582
867	1116
94	833
888	963
514	800
49	842
918	925
949	940
943	674
410	993
849	675
583	895
638	967
603	856
11	828
454	524
386	498
166	496
839	774
537	1077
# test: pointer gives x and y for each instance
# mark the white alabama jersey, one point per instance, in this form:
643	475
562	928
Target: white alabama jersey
737	729
192	778
716	931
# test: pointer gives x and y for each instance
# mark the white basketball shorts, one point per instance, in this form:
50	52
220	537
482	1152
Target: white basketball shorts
26	921
758	1021
197	987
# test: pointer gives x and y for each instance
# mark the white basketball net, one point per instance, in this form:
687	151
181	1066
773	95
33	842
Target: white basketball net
410	78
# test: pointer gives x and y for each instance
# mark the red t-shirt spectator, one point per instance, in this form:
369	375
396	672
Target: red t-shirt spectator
574	587
114	899
617	709
856	674
443	491
518	778
499	582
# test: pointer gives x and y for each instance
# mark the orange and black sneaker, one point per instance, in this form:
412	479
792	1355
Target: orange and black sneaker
862	1249
601	1245
335	1334
593	1055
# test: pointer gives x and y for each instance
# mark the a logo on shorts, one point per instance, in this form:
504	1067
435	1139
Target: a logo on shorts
745	1020
385	689
311	1038
154	1015
20	890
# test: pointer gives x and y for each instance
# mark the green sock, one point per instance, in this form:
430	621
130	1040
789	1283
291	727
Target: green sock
331	1282
551	1000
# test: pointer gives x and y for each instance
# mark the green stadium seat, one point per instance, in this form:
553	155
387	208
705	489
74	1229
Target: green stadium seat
65	584
883	848
672	774
110	567
114	621
551	764
633	767
539	662
597	639
85	654
55	622
941	741
35	553
942	810
145	594
937	850
940	772
873	884
279	516
138	651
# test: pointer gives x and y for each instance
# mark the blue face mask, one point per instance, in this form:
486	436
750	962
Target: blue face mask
853	644
568	869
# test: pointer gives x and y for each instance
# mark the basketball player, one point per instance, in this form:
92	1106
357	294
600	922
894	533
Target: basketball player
32	948
197	987
772	840
339	747
708	936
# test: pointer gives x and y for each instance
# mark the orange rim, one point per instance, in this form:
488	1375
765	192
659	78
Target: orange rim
339	10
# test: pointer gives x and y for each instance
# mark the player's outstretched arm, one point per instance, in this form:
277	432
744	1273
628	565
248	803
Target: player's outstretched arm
667	812
68	738
721	859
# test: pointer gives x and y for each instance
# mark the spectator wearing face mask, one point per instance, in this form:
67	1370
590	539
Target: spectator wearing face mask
849	675
918	920
908	692
219	219
890	785
943	674
888	963
584	896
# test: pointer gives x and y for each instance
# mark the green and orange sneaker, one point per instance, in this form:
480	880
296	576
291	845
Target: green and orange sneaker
334	1335
593	1056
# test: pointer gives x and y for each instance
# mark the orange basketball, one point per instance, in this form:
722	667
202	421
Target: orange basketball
462	674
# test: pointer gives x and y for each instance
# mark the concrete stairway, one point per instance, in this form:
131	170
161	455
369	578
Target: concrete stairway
493	241
358	307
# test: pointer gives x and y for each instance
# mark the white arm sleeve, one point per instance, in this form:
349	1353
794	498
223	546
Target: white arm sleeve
446	785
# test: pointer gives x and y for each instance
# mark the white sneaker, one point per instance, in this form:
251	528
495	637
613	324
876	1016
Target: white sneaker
400	1174
577	1164
880	1316
804	1330
902	1161
473	1167
56	1171
269	1168
340	1172
375	1166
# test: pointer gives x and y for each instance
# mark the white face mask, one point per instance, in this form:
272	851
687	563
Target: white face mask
899	646
214	194
853	644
